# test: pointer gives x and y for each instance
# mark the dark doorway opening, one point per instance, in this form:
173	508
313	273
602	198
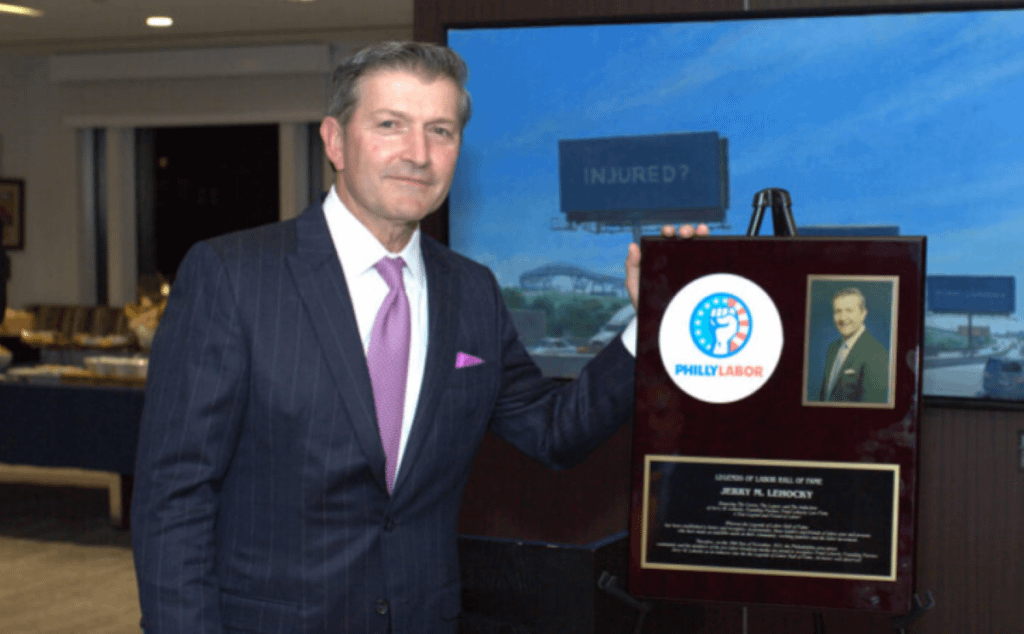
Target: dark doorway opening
195	183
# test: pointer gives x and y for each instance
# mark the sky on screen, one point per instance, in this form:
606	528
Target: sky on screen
910	120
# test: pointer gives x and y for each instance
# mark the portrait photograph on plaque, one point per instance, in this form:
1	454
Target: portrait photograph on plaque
770	465
851	325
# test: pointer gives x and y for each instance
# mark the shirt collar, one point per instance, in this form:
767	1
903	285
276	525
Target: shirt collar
358	249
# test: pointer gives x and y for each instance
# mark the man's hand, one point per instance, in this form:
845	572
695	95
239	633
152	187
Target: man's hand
633	258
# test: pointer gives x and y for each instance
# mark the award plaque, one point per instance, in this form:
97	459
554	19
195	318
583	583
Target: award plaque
775	437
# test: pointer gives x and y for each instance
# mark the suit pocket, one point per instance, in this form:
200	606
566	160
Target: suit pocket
473	389
259	616
473	377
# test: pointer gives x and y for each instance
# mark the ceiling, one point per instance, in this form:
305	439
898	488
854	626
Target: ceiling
69	25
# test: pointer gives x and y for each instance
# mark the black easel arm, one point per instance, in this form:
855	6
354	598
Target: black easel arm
782	213
901	623
609	583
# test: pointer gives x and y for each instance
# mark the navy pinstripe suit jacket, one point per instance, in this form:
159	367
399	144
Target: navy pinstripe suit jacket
260	503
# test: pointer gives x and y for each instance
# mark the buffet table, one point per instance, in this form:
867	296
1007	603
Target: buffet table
80	426
70	426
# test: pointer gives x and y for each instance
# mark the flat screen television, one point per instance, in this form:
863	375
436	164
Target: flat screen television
877	123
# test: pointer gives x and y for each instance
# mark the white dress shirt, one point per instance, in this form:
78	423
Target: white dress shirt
359	250
629	336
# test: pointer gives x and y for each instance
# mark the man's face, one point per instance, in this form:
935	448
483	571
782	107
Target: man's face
848	314
396	157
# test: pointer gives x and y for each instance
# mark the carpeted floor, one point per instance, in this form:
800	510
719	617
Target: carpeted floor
63	568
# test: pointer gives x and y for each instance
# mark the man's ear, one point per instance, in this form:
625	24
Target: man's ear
334	141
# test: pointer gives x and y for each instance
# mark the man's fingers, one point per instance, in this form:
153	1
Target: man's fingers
633	257
633	273
685	231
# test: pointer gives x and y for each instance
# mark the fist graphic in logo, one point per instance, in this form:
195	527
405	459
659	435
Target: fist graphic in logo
720	325
725	323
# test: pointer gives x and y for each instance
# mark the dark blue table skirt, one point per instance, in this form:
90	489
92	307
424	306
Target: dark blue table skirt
70	426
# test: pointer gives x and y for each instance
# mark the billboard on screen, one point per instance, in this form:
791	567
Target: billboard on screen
650	178
974	294
849	231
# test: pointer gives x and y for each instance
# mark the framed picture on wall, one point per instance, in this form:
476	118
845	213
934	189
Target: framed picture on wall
12	213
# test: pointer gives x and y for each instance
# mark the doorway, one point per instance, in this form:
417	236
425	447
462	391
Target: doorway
195	183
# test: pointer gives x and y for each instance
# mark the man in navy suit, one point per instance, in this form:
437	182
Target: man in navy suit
267	498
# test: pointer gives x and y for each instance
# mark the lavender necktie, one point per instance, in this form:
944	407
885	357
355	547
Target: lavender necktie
388	361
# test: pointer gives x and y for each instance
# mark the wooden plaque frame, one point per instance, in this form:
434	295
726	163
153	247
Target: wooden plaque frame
802	492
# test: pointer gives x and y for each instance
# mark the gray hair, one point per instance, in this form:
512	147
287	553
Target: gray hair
428	60
853	291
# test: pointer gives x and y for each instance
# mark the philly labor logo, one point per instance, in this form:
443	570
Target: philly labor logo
720	325
709	346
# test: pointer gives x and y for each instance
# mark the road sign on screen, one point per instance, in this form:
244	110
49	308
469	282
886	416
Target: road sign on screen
654	178
975	294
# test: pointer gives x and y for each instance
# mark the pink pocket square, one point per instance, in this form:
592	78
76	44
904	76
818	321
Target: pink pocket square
463	360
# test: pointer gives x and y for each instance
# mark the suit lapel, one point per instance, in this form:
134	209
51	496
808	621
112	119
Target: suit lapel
848	362
852	356
443	309
321	284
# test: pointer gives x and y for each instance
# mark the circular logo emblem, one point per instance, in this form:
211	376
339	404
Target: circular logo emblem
720	325
708	342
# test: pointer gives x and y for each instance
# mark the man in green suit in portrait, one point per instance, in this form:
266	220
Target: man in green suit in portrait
856	365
